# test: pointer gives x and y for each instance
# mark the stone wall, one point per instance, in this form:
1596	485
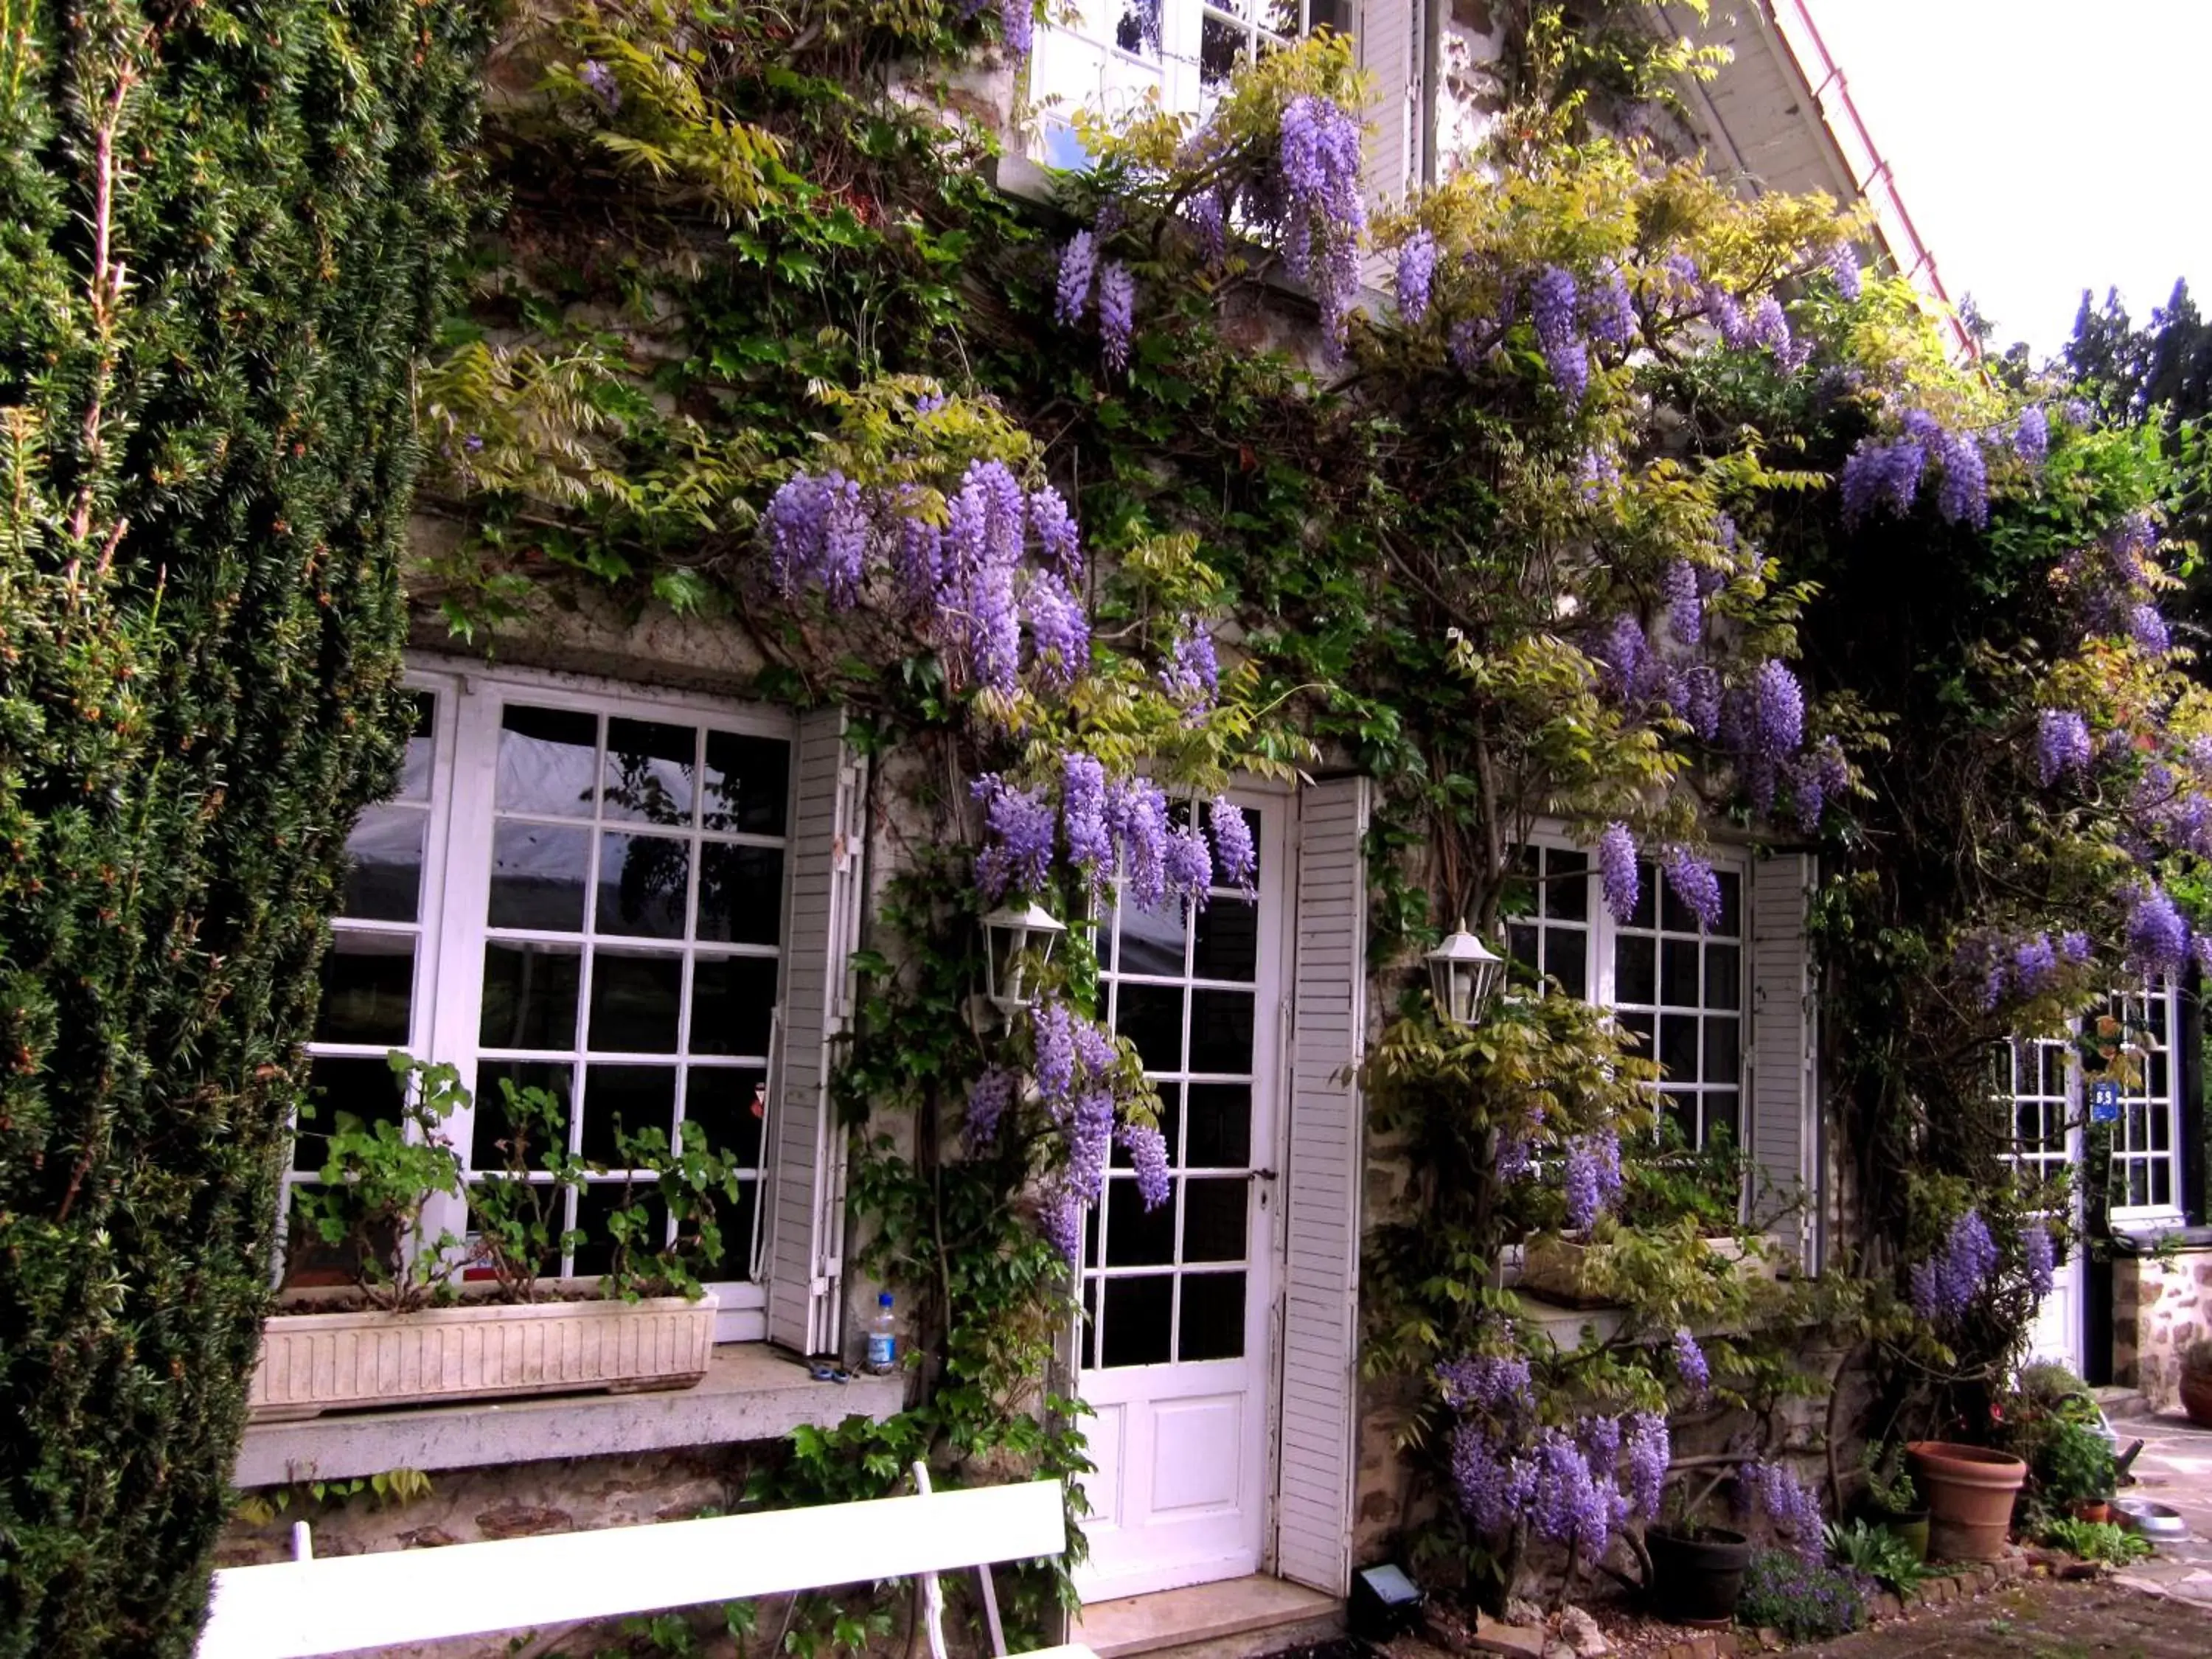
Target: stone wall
2159	1307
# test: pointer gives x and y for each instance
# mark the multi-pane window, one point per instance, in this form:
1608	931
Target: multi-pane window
2050	1099
1169	1284
1115	56
2145	1143
581	892
633	917
2034	1076
1678	984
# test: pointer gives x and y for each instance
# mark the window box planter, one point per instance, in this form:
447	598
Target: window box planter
1562	1270
312	1363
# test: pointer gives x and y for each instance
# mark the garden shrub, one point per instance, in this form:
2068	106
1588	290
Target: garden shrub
1803	1599
227	228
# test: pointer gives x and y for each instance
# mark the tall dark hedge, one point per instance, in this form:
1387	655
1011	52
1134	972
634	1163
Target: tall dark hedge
205	460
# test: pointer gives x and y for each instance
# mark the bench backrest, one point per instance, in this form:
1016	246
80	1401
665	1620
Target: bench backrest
345	1603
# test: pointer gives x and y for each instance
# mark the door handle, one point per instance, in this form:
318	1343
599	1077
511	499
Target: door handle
1260	1175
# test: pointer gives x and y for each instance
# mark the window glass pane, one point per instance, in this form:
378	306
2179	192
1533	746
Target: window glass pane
548	758
1151	1016
1213	1326
1723	976
1136	1236
365	1089
1724	1112
1640	1026
488	1144
1227	945
1521	944
1635	969
1647	883
1731	904
748	783
537	878
1724	1050
414	769
1151	941
384	882
635	999
1220	1132
740	894
529	996
1139	1316
1220	47
368	989
1213	1219
649	771
645	883
729	1105
1566	893
628	1099
1678	1047
1221	1031
1566	958
1679	983
733	1005
600	1201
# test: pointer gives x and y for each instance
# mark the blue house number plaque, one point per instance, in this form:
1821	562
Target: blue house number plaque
2104	1102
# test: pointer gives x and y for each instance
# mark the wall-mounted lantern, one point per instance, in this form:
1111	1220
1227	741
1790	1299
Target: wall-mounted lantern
1010	934
1464	975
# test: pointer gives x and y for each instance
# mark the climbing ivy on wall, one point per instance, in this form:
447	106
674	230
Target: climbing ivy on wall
225	232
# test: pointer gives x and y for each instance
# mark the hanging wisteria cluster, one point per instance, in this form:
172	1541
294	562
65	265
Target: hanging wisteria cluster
1772	1488
2028	967
1948	1284
1577	1484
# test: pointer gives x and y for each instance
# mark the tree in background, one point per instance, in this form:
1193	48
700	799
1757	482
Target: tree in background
225	232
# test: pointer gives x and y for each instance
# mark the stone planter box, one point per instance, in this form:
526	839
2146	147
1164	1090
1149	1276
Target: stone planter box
314	1362
1561	1270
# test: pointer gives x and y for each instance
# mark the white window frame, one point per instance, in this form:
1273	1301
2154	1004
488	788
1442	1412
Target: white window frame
449	985
1600	931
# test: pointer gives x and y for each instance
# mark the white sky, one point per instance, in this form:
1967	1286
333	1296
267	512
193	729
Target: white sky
2041	148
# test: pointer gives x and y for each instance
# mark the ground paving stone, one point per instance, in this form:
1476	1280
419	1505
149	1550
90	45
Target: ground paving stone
2038	1619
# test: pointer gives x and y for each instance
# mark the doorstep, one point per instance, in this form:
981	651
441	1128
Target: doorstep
751	1392
1253	1615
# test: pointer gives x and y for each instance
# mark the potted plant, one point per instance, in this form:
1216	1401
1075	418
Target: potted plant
1697	1571
2197	1382
2074	1471
1893	1501
1970	1491
432	1318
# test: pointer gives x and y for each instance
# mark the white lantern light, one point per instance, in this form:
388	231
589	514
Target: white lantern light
1464	975
1010	934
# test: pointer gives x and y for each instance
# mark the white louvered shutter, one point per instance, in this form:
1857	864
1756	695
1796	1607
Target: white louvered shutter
1328	1019
805	1223
1783	1134
1388	45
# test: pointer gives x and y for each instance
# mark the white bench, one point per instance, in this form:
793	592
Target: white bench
343	1604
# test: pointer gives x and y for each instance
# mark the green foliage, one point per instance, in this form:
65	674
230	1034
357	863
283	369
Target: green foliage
1805	1600
2096	1540
2074	1464
1875	1552
518	1211
228	231
392	1486
667	1186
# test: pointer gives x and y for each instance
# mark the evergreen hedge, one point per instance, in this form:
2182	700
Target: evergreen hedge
224	231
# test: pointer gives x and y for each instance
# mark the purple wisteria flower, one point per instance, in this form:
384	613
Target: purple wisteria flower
2031	436
1770	327
1515	1158
1082	818
1844	271
1318	156
2157	937
1685	610
1059	1219
1816	777
1079	260
1234	854
1208	215
2039	1257
1016	27
1061	630
1137	812
1592	1176
1192	673
1496	1383
1695	694
1417	274
1882	475
1946	1284
1189	864
2074	947
1691	880
1117	307
1019	830
1625	657
1089	1143
1610	311
1649	1452
601	81
1056	532
1616	863
2061	745
1776	728
1493	1485
988	1097
1552	297
2035	964
1690	1364
1596	472
1964	496
1568	1505
1790	1505
2147	628
1726	315
1148	1156
1052	1038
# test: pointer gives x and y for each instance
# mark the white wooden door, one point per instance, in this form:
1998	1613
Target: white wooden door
1178	1302
2046	1087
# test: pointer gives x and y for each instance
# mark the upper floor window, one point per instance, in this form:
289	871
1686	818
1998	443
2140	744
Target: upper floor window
1115	56
2052	1100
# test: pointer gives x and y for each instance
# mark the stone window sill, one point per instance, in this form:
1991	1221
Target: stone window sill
751	1392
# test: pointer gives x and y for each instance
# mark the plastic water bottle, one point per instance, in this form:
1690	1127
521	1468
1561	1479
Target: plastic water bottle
882	1338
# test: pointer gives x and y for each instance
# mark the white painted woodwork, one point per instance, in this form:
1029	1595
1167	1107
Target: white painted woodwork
804	1229
1182	1478
345	1604
1328	1022
1784	1134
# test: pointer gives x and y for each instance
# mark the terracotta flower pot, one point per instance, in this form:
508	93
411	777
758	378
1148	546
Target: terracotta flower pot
2099	1510
1697	1580
2197	1398
1969	1491
1910	1525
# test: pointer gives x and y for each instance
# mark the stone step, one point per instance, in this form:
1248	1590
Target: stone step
1235	1619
